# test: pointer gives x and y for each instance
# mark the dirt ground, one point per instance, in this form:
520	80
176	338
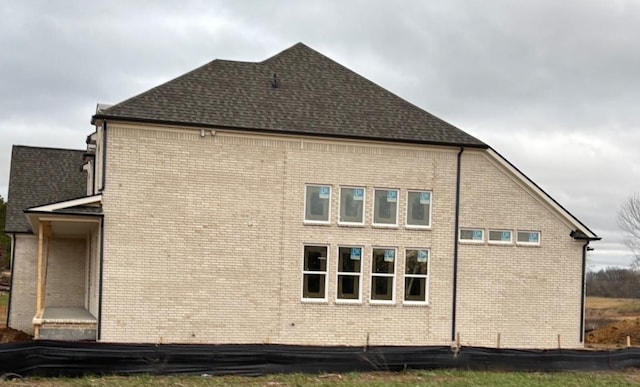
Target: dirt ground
8	335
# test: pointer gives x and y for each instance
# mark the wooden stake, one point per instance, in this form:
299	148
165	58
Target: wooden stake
39	289
559	343
458	339
498	344
628	341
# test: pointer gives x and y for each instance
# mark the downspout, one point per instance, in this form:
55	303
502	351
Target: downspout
99	327
584	286
455	247
12	263
104	154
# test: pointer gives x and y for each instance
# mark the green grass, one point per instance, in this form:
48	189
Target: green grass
4	299
409	378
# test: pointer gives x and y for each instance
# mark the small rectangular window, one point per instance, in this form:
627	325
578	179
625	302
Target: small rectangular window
349	273
500	236
317	203
528	237
419	209
383	264
475	235
352	201
385	207
416	275
314	273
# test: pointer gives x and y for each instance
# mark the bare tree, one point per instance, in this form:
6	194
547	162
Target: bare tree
629	222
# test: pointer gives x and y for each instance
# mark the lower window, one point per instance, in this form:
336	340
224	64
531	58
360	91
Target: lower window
383	274
416	275
314	273
349	273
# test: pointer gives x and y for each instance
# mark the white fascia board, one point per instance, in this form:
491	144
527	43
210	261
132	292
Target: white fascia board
542	194
67	204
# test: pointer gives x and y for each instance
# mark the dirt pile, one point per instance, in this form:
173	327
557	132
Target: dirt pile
616	333
8	335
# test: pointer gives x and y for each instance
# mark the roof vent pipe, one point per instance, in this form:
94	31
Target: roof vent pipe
274	82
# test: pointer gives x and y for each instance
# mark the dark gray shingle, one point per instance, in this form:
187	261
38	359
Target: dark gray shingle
315	96
41	176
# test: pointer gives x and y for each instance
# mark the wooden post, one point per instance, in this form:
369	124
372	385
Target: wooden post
47	239
39	288
498	344
559	343
458	339
628	341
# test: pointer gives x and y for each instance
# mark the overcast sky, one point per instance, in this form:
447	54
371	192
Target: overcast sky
554	86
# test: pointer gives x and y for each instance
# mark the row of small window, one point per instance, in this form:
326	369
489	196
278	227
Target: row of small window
350	264
352	206
477	235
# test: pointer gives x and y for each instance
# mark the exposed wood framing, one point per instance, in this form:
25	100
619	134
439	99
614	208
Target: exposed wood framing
44	237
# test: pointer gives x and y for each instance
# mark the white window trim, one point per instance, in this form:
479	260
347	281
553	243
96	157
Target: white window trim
393	277
373	209
529	243
326	277
414	226
500	242
404	276
480	242
304	213
360	274
364	206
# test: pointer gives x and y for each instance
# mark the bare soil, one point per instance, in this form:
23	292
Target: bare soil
8	335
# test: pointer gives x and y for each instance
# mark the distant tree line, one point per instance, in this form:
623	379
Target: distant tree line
614	282
5	242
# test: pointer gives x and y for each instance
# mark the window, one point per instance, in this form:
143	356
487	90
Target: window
352	205
528	238
385	208
419	209
314	273
474	235
383	274
349	273
500	236
416	276
317	203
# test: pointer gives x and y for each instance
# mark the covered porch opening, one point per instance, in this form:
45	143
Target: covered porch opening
68	266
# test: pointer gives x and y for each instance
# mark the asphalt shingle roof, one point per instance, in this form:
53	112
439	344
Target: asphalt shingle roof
42	176
315	96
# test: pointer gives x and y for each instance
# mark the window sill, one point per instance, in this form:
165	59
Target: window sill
379	225
311	223
348	302
501	243
315	301
410	227
528	244
382	303
346	224
463	242
415	303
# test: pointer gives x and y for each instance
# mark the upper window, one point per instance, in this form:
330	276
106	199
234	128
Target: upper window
528	237
500	236
419	209
383	274
385	207
416	276
349	273
352	205
317	203
475	235
314	273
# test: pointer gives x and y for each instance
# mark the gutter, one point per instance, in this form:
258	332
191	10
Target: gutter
455	247
104	154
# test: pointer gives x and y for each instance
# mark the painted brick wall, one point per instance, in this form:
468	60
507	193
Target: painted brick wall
204	241
527	294
24	279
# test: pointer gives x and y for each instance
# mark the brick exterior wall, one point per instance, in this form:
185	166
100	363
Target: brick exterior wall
65	278
24	279
204	243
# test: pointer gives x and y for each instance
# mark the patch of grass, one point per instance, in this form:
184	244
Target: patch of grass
412	378
4	302
4	299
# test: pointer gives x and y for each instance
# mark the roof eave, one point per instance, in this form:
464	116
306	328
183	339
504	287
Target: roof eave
284	132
